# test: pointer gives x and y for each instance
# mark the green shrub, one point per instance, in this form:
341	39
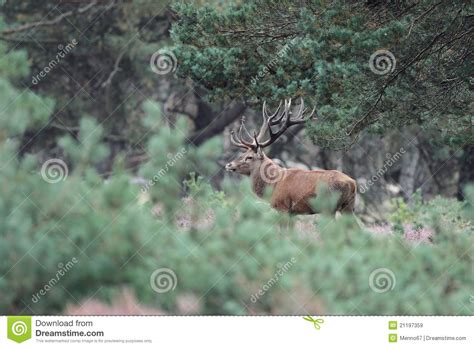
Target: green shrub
231	253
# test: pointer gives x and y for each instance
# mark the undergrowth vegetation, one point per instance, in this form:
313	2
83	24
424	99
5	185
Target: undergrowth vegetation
231	253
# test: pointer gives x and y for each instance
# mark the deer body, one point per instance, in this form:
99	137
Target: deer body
293	194
293	189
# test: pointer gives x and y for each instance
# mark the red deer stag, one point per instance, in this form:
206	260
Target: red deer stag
291	189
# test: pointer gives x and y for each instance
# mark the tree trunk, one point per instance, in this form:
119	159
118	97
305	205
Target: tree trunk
207	122
410	163
466	170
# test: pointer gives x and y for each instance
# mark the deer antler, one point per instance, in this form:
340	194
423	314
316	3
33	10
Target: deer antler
285	118
239	140
280	116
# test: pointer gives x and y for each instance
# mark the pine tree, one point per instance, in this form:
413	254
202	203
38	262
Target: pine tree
366	65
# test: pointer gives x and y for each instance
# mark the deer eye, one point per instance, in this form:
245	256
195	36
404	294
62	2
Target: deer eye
249	158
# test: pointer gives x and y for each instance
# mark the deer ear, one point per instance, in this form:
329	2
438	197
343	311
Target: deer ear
259	153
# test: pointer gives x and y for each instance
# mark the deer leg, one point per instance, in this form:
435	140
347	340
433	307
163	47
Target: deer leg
346	202
285	224
348	207
283	205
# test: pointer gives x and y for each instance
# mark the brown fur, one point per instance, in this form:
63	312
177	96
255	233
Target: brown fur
294	188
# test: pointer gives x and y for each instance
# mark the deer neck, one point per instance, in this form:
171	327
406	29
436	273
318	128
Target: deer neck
268	174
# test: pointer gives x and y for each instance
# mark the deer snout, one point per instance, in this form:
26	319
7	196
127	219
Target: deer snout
230	167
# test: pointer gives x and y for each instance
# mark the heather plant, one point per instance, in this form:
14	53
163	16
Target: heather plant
335	272
439	211
224	265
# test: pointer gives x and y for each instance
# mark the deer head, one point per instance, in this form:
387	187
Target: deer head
281	119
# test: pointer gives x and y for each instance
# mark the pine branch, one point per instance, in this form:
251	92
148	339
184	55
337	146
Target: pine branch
51	22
